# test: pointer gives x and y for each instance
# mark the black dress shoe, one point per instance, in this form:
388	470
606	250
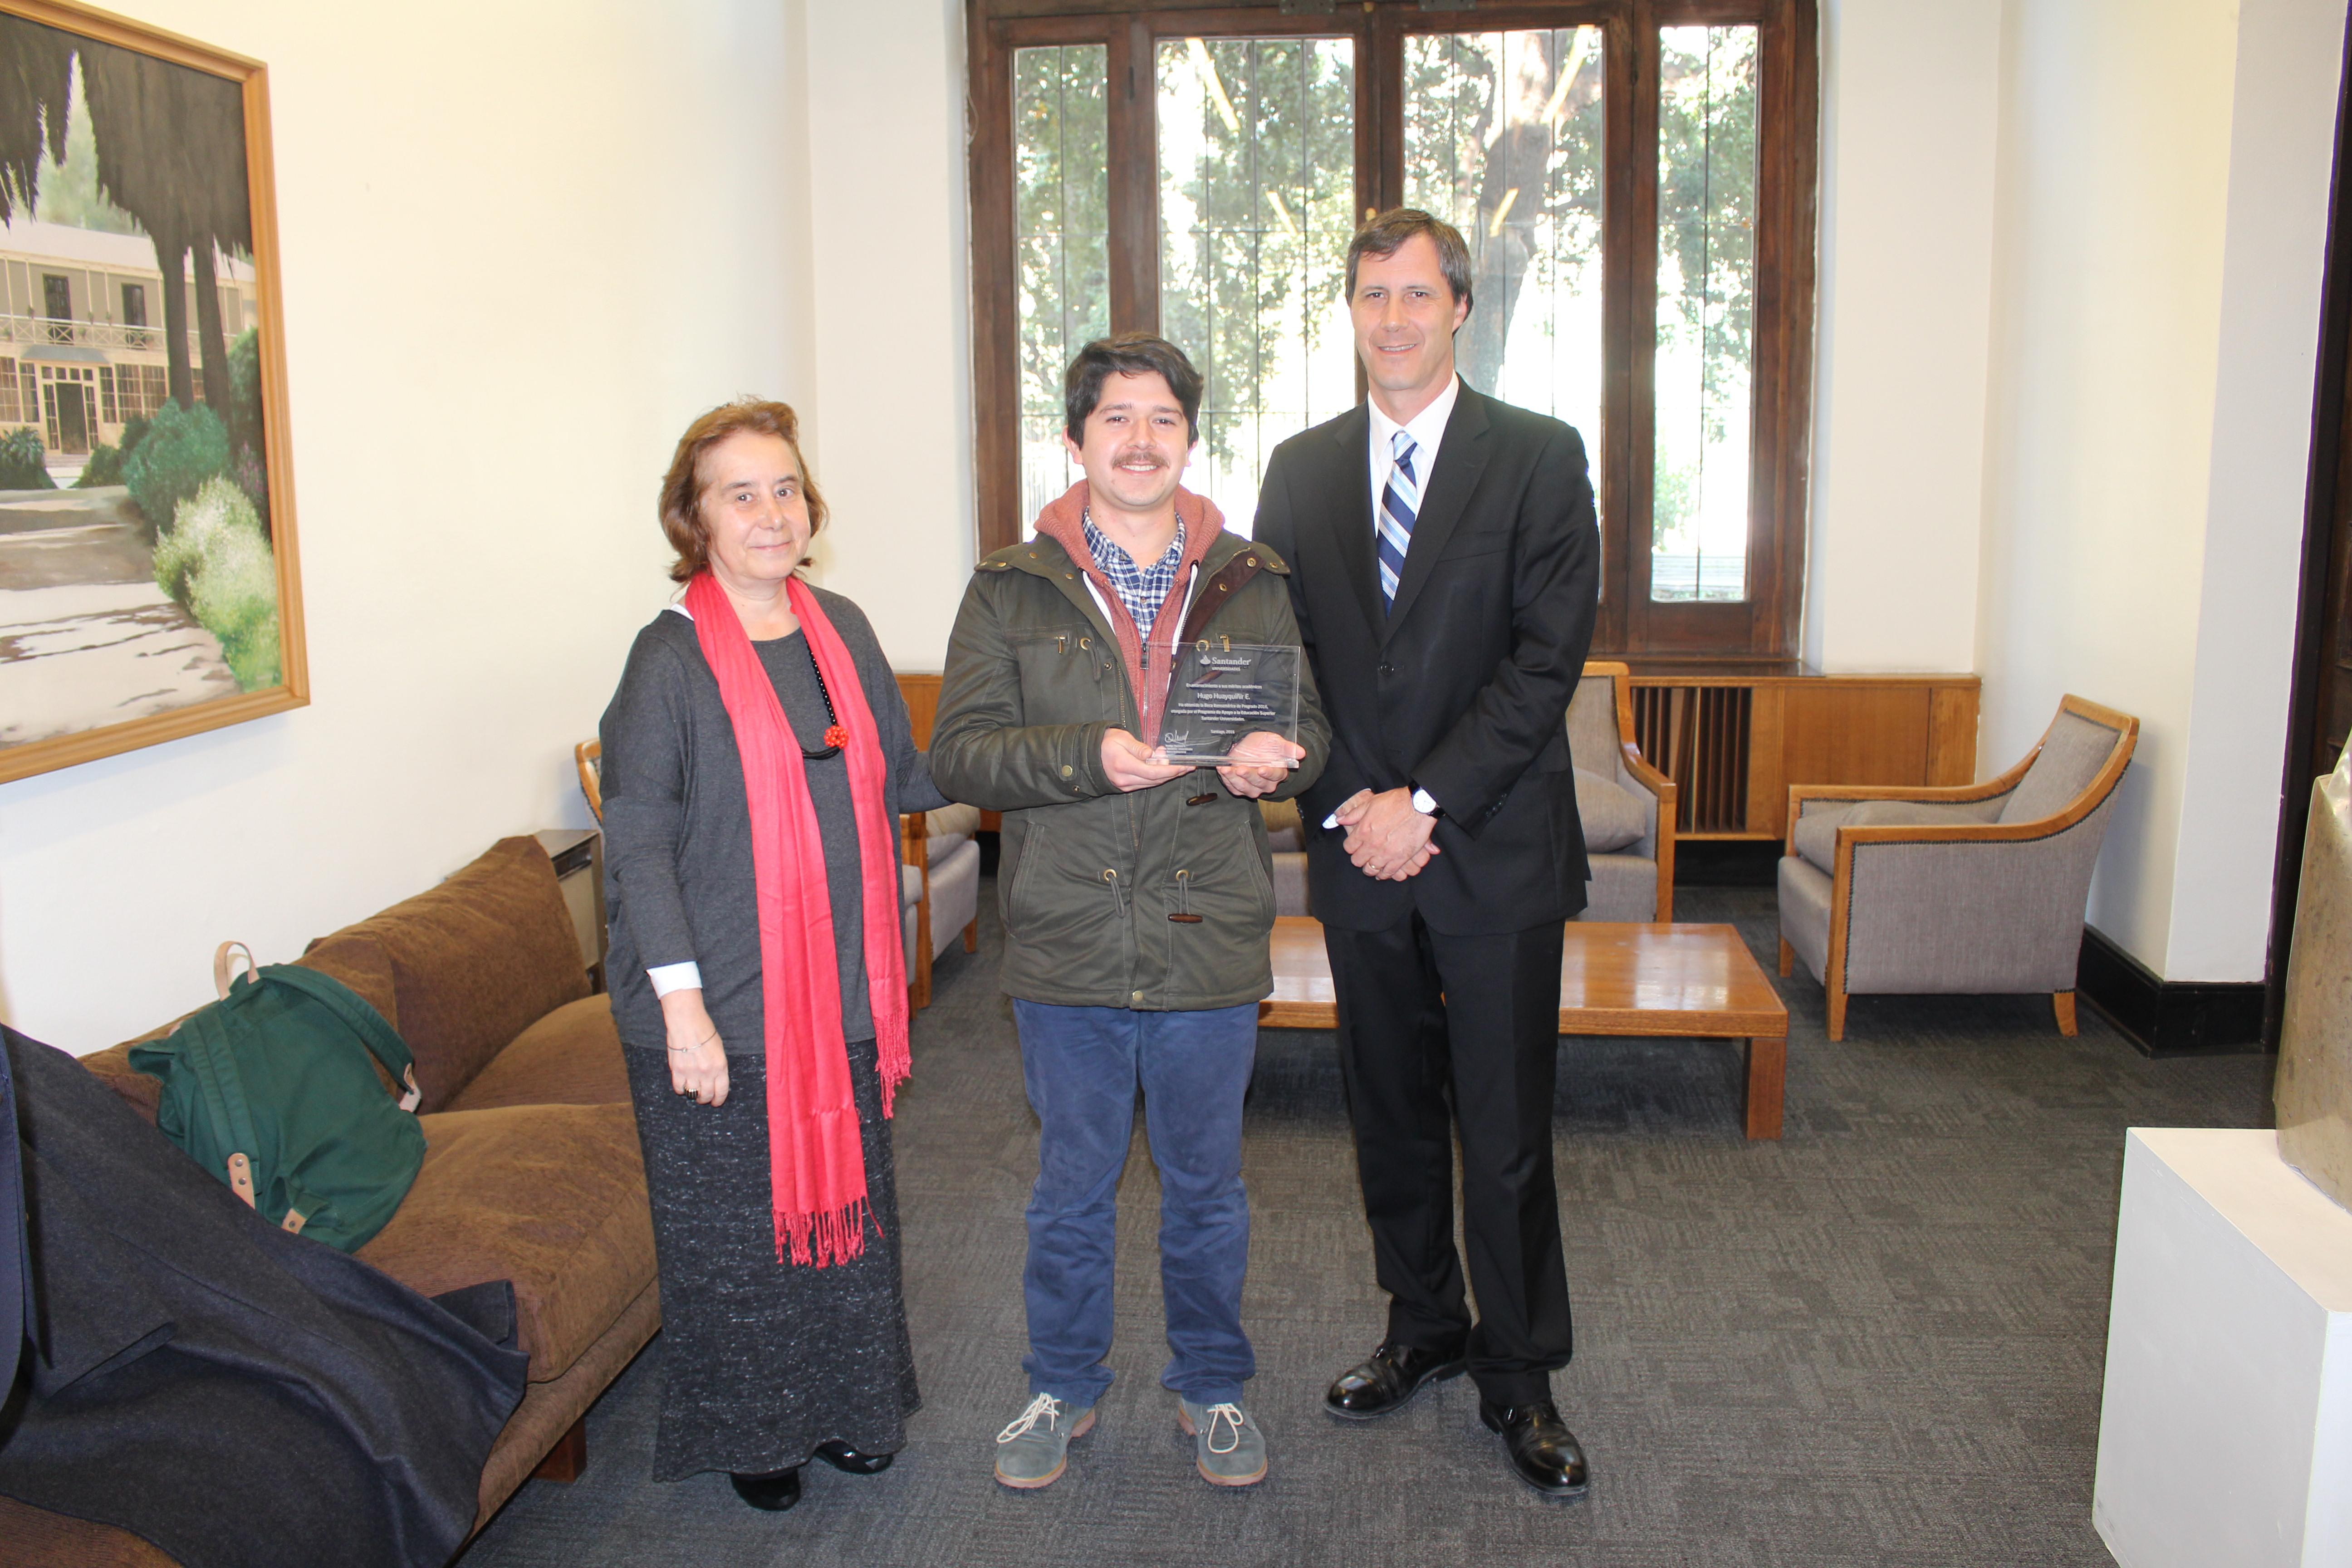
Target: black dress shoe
1543	1450
1390	1379
775	1491
849	1461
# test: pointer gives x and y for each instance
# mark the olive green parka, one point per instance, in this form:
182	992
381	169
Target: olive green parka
1158	899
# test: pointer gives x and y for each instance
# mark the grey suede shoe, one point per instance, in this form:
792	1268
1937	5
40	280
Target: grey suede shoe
1226	1443
1034	1449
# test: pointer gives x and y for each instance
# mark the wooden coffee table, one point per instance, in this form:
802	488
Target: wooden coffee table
1683	982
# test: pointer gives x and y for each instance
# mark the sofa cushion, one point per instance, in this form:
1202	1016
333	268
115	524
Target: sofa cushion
1816	835
552	1197
358	963
955	895
1612	818
475	961
1622	887
2072	754
1593	739
572	1057
947	827
363	965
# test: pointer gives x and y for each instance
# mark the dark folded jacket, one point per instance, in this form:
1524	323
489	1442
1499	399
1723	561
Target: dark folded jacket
240	1397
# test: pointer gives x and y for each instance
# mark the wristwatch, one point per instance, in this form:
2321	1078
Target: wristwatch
1426	803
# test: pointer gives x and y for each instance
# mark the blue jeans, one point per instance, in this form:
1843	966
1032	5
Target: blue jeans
1081	1067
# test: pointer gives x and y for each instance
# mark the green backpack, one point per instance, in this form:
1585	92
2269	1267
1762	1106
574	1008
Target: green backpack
269	1089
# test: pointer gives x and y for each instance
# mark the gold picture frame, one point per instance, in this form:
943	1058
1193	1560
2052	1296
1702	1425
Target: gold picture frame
100	131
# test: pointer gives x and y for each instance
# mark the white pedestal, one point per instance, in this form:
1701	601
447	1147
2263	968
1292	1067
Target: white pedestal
2225	1434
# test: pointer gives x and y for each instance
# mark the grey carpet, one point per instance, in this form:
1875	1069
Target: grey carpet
1876	1341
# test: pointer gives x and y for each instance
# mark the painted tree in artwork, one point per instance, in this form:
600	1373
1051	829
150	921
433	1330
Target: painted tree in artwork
170	152
36	73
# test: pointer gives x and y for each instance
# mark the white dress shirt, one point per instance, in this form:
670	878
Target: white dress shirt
1427	428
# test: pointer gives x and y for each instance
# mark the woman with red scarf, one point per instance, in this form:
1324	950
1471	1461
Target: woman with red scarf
756	757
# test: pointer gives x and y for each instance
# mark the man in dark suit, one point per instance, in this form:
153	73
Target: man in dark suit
1445	569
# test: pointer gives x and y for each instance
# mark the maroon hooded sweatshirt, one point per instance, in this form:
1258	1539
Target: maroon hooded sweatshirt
1064	522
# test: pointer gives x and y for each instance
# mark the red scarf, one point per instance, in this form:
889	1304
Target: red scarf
816	1160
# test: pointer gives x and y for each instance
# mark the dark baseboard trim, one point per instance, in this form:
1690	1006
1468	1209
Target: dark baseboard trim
2169	1018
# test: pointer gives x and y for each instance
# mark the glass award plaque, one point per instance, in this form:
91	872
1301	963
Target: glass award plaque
1220	691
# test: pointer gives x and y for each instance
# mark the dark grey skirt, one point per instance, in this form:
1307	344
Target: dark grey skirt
762	1360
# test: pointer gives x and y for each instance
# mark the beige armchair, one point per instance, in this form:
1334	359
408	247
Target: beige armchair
1975	888
1286	835
941	854
1627	807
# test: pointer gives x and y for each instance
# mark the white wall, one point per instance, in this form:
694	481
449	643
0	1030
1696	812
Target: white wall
2162	197
2281	150
892	290
1910	109
524	243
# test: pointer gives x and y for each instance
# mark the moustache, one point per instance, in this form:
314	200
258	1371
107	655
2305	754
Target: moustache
1140	454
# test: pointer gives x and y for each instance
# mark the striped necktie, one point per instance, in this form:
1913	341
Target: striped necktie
1399	498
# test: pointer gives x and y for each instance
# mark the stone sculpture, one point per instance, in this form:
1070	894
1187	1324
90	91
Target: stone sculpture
2314	1089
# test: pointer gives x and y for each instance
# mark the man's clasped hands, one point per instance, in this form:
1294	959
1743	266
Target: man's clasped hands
1387	838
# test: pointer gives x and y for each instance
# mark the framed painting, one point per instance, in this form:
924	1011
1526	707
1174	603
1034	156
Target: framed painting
148	580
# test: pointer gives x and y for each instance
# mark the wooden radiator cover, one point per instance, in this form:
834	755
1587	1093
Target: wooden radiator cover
1734	743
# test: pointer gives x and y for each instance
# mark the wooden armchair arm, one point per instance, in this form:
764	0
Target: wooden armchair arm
1656	783
585	757
1663	788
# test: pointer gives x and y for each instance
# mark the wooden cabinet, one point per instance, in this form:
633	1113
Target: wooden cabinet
1734	742
922	695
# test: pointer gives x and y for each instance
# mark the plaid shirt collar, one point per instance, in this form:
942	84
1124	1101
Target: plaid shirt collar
1142	589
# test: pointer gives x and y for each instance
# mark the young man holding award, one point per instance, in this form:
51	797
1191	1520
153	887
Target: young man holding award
1123	687
1445	573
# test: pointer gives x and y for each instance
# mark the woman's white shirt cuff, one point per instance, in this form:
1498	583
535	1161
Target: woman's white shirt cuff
670	977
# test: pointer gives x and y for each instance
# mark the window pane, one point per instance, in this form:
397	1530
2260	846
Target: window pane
1707	276
1257	196
1503	140
1061	192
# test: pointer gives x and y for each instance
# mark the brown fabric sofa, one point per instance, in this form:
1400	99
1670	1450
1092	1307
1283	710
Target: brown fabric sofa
532	1167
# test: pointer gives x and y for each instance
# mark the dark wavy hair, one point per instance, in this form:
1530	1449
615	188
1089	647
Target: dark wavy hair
1129	353
1384	236
681	488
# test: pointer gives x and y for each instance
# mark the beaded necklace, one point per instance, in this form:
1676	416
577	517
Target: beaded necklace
835	735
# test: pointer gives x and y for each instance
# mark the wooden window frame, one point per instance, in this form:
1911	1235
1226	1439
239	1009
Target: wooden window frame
1765	627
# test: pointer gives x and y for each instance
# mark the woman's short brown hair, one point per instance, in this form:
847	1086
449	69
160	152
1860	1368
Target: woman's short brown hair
681	490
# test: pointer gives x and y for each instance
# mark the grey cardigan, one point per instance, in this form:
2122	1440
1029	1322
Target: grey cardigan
678	883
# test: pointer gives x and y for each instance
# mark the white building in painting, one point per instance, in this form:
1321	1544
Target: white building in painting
82	335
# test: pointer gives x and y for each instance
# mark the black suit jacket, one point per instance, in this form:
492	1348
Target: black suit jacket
1461	688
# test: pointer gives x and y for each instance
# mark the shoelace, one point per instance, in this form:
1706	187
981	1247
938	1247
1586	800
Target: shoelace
1045	1408
1231	1414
